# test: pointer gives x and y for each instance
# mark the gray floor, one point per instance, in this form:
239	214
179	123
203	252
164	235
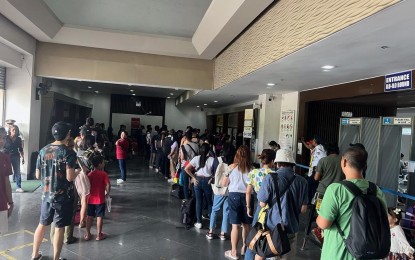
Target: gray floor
143	224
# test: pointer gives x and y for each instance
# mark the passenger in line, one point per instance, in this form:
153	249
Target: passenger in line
237	181
6	199
256	178
14	148
188	150
337	204
202	165
100	187
122	147
400	248
55	168
328	171
274	146
293	195
318	151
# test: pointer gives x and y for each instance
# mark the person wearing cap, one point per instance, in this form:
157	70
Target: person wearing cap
6	199
55	168
293	201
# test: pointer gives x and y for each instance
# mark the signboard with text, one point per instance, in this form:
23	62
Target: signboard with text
398	81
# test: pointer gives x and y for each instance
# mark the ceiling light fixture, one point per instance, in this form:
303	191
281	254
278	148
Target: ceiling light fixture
96	91
197	106
270	84
132	90
205	104
326	70
171	94
89	87
168	97
215	101
133	94
327	67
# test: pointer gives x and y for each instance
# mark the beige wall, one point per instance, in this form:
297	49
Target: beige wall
74	62
287	27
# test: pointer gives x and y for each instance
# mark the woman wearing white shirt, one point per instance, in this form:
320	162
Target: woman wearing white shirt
237	182
202	165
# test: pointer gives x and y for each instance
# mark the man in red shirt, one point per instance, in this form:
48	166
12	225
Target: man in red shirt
122	147
6	200
100	186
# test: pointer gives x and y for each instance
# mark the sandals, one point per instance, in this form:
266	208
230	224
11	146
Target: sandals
87	237
101	236
228	255
82	224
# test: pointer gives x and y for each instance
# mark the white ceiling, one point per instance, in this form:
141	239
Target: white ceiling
162	17
355	51
121	89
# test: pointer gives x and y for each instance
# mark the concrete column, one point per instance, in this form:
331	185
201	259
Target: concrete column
269	120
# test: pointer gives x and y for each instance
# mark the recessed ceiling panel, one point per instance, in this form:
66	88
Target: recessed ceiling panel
162	17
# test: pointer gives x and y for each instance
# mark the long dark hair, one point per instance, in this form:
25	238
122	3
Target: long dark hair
204	152
228	152
88	142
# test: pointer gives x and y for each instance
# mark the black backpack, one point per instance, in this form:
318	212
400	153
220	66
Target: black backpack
167	143
369	236
187	212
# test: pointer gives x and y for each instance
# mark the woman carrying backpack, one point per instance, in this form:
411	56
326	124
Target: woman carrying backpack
202	165
237	181
220	199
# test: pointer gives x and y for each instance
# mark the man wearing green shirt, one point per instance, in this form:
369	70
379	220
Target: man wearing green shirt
337	204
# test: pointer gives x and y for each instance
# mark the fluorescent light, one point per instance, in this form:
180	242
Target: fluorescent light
270	84
133	94
89	87
132	90
96	91
327	67
168	97
205	104
215	101
171	94
197	106
326	70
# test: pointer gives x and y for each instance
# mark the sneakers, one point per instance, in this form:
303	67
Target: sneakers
157	170
19	190
170	181
198	225
209	235
120	181
316	232
150	166
222	237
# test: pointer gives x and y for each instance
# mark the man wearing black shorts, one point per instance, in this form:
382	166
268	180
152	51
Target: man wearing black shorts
55	168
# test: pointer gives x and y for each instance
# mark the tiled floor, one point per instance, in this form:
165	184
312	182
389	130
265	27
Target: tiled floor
143	224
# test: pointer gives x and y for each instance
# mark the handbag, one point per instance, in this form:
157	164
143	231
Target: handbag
265	242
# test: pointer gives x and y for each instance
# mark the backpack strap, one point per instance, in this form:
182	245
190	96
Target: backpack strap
277	199
350	186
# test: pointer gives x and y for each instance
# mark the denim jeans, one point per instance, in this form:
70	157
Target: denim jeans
17	177
185	183
249	255
218	203
123	168
203	188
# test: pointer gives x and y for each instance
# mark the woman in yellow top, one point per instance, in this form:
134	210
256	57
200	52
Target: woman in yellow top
256	176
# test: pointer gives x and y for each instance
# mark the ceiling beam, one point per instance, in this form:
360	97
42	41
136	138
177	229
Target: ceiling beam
32	16
223	21
9	57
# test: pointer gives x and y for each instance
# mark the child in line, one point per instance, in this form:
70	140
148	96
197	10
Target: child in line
100	186
400	248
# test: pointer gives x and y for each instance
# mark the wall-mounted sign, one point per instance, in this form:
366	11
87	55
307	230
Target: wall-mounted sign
351	121
398	81
397	121
402	121
247	135
347	114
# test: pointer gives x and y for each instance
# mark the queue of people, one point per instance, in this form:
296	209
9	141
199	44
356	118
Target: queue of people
218	177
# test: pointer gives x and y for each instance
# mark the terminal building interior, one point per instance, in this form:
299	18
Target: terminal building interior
250	72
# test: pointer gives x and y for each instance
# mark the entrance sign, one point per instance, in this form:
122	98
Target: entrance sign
398	81
351	121
387	120
396	121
